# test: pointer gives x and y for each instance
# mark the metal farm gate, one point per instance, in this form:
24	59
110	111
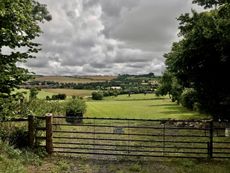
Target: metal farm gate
137	137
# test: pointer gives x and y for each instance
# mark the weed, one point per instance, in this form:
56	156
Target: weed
135	168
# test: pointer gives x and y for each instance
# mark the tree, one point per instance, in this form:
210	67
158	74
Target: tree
18	28
169	85
210	3
200	60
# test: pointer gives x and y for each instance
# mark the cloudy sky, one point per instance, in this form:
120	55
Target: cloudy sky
107	37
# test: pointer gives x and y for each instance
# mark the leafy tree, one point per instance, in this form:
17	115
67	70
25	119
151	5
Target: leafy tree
169	85
210	3
18	28
201	59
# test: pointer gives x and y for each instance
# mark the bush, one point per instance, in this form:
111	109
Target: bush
19	138
42	107
59	97
75	109
15	136
97	95
188	98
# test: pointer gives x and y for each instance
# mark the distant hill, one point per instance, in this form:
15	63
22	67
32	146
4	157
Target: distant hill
75	79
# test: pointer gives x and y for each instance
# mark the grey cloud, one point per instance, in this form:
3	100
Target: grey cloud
150	25
107	36
38	62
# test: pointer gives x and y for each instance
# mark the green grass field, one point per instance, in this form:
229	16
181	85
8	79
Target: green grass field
146	106
139	106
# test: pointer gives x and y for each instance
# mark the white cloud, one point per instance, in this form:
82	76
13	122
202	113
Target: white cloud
107	36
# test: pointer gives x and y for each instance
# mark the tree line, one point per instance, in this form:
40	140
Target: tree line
198	64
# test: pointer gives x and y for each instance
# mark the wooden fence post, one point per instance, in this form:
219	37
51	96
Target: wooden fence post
49	133
31	131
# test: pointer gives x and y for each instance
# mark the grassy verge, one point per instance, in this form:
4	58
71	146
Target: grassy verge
14	160
76	165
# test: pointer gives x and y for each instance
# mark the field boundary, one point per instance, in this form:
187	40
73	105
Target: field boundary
129	137
137	137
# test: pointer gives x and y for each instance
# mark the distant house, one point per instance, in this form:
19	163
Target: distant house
115	87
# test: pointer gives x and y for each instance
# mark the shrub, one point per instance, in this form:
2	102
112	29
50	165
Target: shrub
75	109
59	97
188	98
42	107
16	136
33	93
19	138
76	106
97	95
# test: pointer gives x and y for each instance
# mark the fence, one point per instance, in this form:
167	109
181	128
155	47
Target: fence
130	137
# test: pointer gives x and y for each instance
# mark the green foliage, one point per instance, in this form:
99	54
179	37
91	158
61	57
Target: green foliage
19	137
33	93
135	168
75	106
12	106
42	107
200	60
165	84
59	97
188	98
97	95
210	3
169	85
14	160
15	135
18	28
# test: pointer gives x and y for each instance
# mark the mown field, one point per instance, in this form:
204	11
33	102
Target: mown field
146	106
82	79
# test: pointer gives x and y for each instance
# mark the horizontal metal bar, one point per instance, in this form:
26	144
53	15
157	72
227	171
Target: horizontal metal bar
132	146
138	127
217	152
219	136
132	119
220	148
127	134
128	150
135	155
128	140
223	142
